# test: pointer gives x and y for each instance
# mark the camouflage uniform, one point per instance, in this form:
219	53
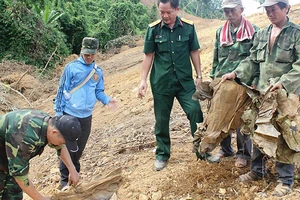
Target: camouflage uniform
225	60
22	137
281	64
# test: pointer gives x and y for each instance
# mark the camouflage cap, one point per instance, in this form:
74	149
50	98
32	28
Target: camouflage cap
231	3
89	45
273	2
70	129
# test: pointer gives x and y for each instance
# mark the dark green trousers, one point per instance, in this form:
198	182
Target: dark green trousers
9	188
162	109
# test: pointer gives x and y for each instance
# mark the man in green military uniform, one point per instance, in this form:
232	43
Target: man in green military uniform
275	56
232	45
169	45
24	135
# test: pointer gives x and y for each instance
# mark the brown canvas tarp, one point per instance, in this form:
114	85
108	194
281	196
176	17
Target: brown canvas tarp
224	114
271	118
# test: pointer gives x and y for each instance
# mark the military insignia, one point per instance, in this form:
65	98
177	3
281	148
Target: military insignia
154	23
159	36
95	77
187	21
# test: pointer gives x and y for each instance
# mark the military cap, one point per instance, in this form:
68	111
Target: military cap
273	2
231	3
89	45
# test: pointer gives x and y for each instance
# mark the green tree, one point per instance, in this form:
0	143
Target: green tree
119	20
153	12
49	15
26	38
203	8
74	25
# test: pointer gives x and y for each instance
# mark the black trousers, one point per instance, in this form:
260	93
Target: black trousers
86	124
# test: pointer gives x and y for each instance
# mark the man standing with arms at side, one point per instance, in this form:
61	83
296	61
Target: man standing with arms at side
232	45
276	56
169	45
81	85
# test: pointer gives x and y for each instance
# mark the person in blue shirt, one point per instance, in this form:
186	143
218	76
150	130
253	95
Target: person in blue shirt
81	85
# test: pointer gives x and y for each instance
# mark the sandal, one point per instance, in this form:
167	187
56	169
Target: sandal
281	190
240	163
249	177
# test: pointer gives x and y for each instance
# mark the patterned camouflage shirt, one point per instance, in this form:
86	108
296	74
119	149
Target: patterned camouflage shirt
281	64
227	58
22	137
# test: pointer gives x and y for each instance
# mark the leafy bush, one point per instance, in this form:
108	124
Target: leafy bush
24	37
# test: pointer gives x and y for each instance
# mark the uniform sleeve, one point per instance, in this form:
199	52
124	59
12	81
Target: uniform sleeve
291	80
60	99
194	43
215	62
100	95
248	69
257	72
18	151
149	43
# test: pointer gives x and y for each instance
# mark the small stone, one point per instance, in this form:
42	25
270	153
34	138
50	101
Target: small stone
143	197
157	195
222	191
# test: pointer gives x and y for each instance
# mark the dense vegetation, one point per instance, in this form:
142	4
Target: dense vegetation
41	32
203	8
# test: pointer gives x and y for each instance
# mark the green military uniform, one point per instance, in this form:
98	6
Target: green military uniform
171	76
22	137
227	58
281	64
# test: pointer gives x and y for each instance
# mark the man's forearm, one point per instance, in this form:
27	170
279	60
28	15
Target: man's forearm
65	157
146	65
30	190
195	57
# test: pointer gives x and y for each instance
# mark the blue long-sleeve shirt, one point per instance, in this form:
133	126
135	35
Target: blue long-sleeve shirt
80	103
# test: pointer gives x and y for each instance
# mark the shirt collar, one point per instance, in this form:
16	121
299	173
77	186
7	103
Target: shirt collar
83	61
178	22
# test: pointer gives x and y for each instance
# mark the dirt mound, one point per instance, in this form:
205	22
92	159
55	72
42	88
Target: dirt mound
124	137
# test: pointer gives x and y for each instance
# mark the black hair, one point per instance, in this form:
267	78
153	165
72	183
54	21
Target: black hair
283	5
174	3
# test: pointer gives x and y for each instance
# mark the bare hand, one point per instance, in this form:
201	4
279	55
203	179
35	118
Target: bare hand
73	178
228	76
112	103
142	89
198	82
253	86
277	86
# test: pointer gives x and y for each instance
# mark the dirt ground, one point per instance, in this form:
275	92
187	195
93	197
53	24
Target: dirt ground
123	138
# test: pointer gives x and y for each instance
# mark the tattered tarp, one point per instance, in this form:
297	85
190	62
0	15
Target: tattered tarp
271	118
103	188
278	121
229	102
